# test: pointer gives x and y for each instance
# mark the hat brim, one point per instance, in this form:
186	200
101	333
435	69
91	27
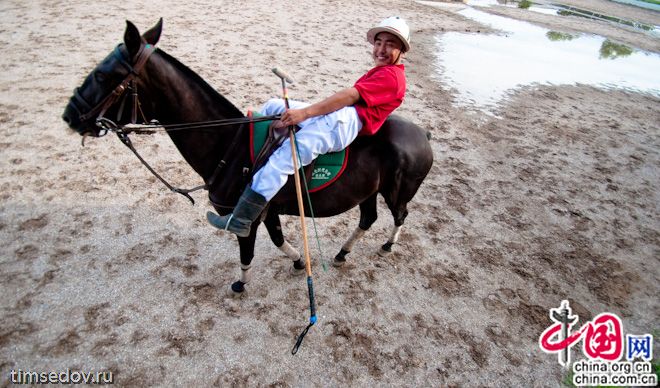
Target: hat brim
371	35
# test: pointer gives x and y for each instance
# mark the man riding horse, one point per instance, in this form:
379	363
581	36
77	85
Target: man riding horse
329	125
207	130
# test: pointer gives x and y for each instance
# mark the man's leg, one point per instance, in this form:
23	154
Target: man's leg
313	140
250	205
318	135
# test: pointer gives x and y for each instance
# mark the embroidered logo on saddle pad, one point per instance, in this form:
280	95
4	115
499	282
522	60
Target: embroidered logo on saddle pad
327	168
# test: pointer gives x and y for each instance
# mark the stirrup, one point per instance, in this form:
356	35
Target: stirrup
231	215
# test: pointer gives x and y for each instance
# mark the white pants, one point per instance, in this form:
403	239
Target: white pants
317	136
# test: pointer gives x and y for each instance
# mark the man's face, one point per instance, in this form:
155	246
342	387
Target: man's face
387	49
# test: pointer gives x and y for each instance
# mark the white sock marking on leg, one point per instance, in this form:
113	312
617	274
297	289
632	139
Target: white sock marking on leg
357	234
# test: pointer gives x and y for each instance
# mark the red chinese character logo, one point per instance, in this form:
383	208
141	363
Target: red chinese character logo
603	337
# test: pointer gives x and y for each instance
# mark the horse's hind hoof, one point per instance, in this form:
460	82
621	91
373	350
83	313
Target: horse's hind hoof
340	259
237	290
385	251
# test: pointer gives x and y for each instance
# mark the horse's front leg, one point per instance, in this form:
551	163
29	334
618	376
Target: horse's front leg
246	245
274	228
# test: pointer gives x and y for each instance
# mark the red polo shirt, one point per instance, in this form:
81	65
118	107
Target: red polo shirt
381	90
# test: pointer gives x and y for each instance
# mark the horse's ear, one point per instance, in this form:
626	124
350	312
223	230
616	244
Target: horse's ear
153	34
132	39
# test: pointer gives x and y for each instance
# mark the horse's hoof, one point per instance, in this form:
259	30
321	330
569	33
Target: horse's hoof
297	272
298	267
340	259
237	290
384	252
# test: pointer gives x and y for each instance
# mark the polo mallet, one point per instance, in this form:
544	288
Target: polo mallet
301	209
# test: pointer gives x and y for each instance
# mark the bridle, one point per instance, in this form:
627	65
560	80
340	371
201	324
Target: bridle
128	83
107	125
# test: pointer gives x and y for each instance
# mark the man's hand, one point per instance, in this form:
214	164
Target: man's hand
335	102
294	117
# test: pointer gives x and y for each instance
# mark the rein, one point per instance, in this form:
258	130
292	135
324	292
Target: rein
147	129
106	125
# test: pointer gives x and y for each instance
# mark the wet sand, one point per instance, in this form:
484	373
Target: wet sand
103	269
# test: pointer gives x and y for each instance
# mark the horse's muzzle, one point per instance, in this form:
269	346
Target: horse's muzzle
71	116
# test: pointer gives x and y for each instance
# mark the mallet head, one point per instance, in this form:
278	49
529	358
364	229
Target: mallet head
282	74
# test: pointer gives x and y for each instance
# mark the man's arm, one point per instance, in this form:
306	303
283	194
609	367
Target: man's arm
343	98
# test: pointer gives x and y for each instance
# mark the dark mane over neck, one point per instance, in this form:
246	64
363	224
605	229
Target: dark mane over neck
177	95
231	109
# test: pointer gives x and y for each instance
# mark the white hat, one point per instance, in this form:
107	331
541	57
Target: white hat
394	25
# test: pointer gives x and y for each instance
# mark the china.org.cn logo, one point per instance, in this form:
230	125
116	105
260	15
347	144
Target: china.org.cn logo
603	345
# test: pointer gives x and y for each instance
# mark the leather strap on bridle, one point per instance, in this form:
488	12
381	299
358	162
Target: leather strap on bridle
99	110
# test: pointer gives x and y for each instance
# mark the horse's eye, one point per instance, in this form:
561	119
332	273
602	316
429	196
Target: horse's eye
100	77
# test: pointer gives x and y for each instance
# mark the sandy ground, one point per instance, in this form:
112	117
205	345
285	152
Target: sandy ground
102	269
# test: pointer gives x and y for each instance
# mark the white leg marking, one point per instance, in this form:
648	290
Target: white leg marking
290	251
246	273
357	234
394	237
396	232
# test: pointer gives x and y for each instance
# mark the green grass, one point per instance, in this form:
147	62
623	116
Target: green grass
651	1
525	4
557	36
611	50
568	380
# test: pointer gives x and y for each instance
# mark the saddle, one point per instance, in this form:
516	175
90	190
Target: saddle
321	173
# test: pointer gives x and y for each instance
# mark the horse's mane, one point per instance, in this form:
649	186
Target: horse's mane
233	111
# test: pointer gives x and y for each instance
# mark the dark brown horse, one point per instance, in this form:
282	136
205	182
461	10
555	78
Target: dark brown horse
394	162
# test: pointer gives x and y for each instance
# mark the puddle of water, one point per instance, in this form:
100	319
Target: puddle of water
483	68
565	10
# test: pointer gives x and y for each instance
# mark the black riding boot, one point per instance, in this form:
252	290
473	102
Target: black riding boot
248	208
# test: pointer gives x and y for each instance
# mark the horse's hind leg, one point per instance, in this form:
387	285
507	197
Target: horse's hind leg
368	215
399	217
397	197
274	228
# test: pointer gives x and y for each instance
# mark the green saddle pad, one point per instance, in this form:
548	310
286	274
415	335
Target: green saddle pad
327	168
